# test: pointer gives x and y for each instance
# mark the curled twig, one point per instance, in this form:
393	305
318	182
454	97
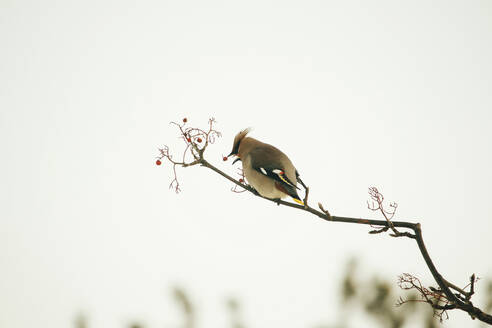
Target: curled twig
196	141
377	200
432	296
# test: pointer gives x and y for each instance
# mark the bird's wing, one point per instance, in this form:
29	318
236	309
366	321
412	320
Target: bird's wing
262	162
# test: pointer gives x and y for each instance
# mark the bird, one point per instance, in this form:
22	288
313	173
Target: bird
268	170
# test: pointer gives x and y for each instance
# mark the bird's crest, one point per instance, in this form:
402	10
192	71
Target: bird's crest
237	140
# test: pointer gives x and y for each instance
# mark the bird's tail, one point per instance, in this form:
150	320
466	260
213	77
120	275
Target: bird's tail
289	190
298	201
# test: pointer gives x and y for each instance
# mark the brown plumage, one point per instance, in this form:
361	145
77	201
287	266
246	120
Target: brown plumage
266	168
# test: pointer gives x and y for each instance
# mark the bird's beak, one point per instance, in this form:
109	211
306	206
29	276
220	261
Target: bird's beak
232	154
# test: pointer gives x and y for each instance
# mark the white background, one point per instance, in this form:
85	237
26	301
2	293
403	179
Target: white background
390	94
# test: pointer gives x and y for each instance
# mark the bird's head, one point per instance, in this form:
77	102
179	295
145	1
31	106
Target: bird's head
237	141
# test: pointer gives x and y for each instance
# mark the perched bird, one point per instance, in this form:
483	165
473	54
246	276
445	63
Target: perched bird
266	168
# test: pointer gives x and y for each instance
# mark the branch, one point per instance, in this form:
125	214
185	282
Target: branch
460	300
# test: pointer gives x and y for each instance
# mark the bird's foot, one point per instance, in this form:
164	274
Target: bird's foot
277	200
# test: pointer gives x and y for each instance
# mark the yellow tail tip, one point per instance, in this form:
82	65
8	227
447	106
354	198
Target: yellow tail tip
298	201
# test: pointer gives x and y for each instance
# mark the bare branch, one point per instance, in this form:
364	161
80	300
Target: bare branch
432	296
441	299
377	205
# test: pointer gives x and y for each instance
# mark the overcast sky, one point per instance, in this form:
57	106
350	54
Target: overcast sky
390	94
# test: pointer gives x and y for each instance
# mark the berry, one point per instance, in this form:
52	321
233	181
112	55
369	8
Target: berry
158	162
199	140
185	120
241	180
188	139
224	158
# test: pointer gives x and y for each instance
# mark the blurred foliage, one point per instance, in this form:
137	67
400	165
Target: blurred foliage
371	298
187	308
80	321
234	309
375	298
135	325
488	306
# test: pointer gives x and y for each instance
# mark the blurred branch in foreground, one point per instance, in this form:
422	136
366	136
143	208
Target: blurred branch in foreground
81	321
183	301
196	142
367	297
375	296
234	309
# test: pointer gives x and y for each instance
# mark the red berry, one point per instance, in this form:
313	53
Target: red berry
199	140
188	139
241	180
185	120
158	162
224	158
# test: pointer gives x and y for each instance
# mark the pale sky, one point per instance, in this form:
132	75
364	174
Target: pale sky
393	94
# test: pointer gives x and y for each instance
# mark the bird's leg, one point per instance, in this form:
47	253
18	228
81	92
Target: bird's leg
306	195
